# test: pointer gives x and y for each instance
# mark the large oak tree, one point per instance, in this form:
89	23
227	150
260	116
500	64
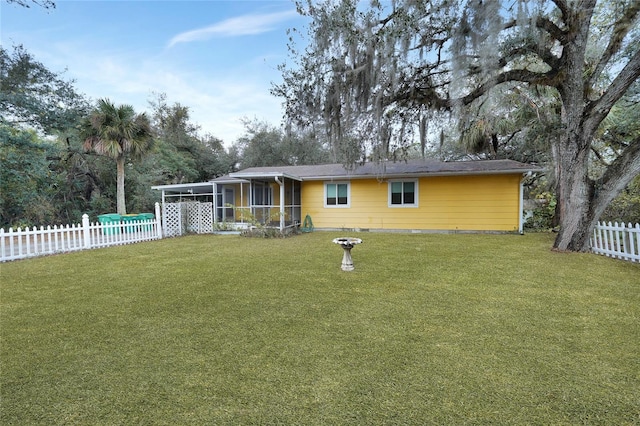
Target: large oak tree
379	75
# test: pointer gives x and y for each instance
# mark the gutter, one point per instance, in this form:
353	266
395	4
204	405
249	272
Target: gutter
414	175
241	175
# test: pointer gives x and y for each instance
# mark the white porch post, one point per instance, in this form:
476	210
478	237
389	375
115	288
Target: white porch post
159	221
251	210
281	183
241	203
162	219
215	203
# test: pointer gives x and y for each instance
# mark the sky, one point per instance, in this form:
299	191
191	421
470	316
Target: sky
217	57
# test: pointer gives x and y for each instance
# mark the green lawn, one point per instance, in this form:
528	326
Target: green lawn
429	329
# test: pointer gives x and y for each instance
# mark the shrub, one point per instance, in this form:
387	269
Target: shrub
542	217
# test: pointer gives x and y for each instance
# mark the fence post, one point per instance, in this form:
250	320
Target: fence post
158	221
86	231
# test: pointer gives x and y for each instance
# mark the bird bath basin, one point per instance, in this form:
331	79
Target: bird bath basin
347	244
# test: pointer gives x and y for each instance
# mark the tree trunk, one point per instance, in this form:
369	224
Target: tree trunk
581	200
573	188
121	206
574	196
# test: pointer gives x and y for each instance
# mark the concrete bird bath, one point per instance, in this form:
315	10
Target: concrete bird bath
347	244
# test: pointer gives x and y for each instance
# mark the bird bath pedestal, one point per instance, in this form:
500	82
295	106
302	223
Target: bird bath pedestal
347	244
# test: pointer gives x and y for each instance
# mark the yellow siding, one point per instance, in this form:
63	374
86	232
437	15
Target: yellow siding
472	203
240	196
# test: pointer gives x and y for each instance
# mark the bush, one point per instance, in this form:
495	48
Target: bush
265	232
626	206
542	218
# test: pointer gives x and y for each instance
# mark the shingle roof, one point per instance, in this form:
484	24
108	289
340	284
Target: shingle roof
390	169
402	169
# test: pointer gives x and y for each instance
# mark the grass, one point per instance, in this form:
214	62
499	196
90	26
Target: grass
429	329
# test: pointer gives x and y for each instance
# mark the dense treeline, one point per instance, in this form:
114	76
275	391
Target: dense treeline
49	176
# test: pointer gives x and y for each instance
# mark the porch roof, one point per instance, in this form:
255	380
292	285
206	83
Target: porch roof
186	188
197	188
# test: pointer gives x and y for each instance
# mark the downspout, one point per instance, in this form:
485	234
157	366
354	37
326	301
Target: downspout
281	202
521	204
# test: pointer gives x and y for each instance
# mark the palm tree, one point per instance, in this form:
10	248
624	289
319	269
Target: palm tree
117	132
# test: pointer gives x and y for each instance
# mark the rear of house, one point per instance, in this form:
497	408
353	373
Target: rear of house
470	203
415	195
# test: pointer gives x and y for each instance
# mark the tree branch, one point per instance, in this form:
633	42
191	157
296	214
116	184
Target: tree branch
544	54
597	110
564	8
383	22
551	28
620	31
618	174
524	76
426	94
47	4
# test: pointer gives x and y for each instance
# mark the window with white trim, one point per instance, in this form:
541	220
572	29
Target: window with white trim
403	193
336	194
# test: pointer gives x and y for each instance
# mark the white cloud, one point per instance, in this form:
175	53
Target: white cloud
218	97
241	25
217	104
220	88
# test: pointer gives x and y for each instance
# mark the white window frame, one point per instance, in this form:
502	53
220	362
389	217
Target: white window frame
403	205
338	206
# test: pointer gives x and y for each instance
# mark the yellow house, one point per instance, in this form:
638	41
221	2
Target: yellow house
411	196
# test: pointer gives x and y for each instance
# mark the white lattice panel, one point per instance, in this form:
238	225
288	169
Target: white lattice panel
192	216
205	218
172	219
188	216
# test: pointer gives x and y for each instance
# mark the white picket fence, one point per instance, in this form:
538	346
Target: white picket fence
617	240
22	243
614	240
